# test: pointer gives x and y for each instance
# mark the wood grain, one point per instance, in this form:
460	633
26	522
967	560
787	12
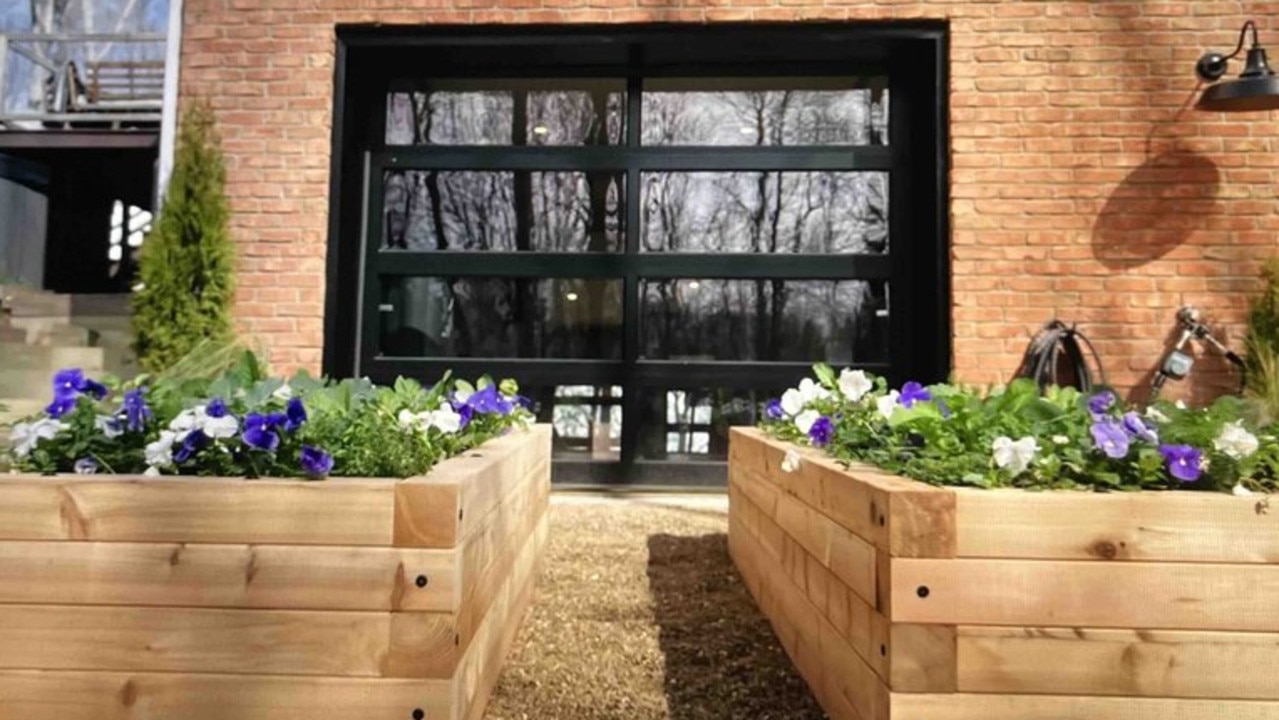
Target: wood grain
1150	526
1138	663
902	517
197	510
844	682
443	508
1050	593
51	695
962	706
302	577
51	637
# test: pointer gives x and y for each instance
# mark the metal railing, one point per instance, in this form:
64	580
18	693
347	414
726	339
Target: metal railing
81	80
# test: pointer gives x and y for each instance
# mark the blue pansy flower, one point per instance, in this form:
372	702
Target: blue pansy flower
136	412
1184	462
194	440
1101	402
912	392
315	462
67	382
86	466
773	410
489	401
1137	428
1110	438
258	432
216	408
821	432
294	414
61	405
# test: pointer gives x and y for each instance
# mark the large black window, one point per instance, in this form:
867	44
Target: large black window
653	229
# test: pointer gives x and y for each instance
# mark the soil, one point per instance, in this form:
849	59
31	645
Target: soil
640	614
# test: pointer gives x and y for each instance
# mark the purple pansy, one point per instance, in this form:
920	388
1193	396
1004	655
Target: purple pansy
86	466
1101	402
68	384
1183	461
258	432
773	410
1137	428
912	392
821	432
315	462
294	414
466	413
489	401
216	408
1110	438
191	444
61	405
136	412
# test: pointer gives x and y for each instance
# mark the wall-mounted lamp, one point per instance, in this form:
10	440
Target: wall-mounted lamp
1257	87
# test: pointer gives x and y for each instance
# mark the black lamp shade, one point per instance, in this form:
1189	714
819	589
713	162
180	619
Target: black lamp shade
1256	89
1242	95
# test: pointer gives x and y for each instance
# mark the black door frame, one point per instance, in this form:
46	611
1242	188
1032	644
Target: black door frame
913	55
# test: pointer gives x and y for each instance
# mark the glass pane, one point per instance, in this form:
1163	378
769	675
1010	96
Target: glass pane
508	112
500	317
765	111
427	210
842	321
765	212
587	419
692	424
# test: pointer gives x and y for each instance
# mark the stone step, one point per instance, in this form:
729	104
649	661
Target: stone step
26	384
16	409
50	358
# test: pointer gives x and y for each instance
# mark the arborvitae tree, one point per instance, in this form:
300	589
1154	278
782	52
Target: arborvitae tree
187	263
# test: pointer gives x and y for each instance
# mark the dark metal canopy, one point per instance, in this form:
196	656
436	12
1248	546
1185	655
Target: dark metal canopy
1256	89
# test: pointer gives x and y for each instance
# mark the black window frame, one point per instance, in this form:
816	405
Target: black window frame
917	267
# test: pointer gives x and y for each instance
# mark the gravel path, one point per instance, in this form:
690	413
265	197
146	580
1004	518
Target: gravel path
640	614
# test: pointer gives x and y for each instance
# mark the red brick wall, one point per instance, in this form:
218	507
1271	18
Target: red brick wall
1083	184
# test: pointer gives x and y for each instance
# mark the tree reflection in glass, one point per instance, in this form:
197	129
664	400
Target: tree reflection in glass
764	320
765	212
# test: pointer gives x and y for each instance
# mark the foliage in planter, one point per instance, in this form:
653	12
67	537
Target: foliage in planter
1262	360
245	424
1016	437
187	265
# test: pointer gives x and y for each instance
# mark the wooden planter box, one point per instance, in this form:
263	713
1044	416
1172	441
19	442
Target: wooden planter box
231	599
899	600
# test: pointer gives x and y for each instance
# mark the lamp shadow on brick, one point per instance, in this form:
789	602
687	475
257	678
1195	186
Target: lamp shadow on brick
1156	208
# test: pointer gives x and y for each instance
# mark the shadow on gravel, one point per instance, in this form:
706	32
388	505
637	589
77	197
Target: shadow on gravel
722	659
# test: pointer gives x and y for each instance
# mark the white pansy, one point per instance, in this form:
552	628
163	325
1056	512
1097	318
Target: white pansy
25	436
1235	441
854	384
887	404
408	421
189	420
792	402
461	395
1180	404
1153	413
811	390
284	392
160	453
1061	440
790	463
804	421
446	420
152	471
1014	455
222	427
1240	490
108	426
